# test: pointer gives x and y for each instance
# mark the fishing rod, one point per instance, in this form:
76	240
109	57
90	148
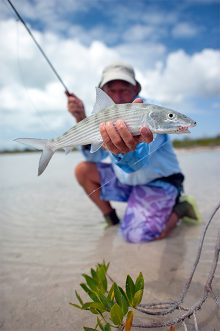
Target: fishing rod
39	47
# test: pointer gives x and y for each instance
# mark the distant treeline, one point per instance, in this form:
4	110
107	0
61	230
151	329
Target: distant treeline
184	143
200	142
16	151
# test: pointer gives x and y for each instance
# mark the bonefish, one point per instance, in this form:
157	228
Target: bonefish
136	115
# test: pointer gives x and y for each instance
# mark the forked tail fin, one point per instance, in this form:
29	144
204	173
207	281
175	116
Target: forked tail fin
41	144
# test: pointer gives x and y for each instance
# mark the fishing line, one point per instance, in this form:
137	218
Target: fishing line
135	163
39	47
45	125
57	75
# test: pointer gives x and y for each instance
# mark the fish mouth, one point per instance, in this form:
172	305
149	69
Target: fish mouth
183	129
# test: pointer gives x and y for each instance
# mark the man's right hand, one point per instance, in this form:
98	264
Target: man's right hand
118	139
76	107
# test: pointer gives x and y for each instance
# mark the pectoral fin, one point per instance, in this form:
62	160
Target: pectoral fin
68	150
95	147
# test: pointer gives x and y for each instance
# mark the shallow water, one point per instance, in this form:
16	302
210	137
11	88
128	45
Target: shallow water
50	233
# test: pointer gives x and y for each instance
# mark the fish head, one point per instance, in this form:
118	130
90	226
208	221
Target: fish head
164	120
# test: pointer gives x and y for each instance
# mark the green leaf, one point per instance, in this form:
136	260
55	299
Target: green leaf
99	306
89	329
86	305
94	311
137	298
79	298
104	265
101	275
90	293
94	307
111	293
108	303
120	299
139	284
93	274
116	314
90	282
123	292
74	305
130	289
107	327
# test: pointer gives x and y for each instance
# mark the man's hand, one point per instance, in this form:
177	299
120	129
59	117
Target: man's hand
75	107
118	139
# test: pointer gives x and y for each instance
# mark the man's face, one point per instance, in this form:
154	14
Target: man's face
120	91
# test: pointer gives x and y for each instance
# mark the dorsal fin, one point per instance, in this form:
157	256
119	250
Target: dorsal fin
102	101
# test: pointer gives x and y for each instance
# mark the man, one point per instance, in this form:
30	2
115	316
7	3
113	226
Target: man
144	171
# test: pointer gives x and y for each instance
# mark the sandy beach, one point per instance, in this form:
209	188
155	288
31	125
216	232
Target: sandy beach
50	233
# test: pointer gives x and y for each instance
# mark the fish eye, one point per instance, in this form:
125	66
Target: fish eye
170	116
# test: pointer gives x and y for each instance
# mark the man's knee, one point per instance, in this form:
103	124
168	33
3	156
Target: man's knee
84	170
81	171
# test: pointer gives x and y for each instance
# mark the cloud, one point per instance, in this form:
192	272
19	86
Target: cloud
32	99
113	23
47	10
138	32
29	90
184	76
164	77
142	55
185	30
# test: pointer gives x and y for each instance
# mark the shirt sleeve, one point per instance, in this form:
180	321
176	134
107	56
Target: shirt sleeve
139	158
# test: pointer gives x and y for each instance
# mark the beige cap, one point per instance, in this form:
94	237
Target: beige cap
119	71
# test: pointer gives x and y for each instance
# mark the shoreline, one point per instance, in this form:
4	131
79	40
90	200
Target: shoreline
197	148
177	148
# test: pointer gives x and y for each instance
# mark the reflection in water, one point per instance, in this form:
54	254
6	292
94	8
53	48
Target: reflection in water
50	233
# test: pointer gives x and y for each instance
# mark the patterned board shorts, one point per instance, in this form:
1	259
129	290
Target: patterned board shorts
148	208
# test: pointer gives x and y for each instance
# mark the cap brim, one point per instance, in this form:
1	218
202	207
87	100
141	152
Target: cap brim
125	78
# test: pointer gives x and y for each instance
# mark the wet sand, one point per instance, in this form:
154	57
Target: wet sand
50	233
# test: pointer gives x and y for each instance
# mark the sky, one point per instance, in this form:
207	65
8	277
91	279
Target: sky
173	46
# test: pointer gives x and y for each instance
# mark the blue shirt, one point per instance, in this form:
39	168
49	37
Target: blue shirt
146	163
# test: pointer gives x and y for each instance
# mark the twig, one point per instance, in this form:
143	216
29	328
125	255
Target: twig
164	308
185	327
195	322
